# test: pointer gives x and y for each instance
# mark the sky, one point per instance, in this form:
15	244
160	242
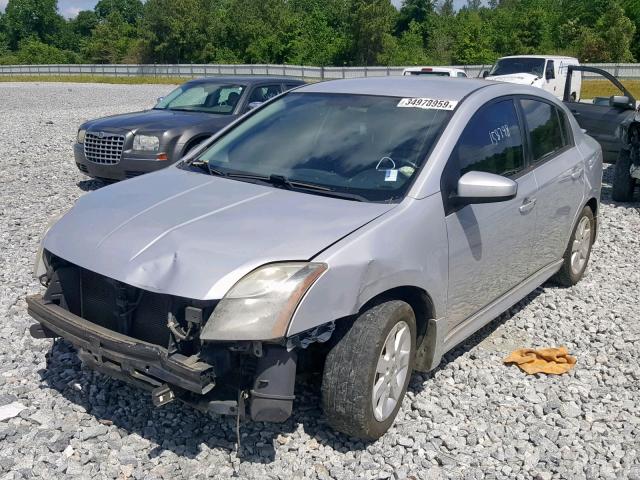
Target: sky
70	8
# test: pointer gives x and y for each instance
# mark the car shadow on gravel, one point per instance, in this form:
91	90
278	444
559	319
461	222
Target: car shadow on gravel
182	430
416	386
91	185
177	427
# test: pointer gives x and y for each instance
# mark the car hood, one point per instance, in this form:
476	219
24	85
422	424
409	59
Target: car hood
156	120
192	235
519	78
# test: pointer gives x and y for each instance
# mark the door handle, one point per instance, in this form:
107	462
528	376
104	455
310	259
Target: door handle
527	205
577	173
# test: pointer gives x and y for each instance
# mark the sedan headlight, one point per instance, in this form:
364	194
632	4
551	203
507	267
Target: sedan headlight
39	265
146	143
81	134
261	304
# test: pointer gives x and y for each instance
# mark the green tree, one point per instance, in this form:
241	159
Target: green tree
84	23
33	51
174	31
406	50
30	18
112	41
416	11
371	22
129	10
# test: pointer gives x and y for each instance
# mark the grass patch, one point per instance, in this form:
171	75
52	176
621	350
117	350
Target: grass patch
604	88
95	79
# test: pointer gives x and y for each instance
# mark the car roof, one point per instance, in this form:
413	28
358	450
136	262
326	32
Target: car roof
247	79
444	88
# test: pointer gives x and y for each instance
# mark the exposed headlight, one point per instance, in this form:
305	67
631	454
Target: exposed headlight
261	304
146	143
81	134
39	265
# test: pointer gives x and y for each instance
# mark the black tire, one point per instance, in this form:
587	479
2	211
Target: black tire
623	182
566	276
350	370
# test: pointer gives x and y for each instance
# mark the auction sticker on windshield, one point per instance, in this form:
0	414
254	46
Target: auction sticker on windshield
428	103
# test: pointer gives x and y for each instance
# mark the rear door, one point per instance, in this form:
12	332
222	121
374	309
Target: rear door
597	115
489	244
560	176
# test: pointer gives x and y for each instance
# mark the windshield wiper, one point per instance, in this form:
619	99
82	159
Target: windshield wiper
204	166
278	181
284	182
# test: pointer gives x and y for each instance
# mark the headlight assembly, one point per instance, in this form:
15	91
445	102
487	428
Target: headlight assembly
146	143
39	265
81	135
261	304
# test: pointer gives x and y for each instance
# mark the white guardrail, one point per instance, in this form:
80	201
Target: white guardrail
621	70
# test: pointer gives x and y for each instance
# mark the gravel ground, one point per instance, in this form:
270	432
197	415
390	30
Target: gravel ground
471	418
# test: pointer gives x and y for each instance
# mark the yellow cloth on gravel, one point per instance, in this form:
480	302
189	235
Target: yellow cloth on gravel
554	361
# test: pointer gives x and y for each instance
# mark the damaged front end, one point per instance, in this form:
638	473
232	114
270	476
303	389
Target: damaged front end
153	341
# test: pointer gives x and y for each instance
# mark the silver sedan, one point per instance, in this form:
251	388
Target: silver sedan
360	227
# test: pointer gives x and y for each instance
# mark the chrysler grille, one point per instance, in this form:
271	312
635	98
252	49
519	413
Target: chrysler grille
105	149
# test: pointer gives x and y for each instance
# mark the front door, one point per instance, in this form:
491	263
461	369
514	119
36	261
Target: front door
596	114
489	244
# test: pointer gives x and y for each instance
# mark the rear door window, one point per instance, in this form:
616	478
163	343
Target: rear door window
547	132
265	92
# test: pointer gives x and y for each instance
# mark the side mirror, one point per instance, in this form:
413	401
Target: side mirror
483	187
550	74
619	101
253	105
485	74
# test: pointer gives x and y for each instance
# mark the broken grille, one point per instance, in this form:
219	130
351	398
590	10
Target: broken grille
105	149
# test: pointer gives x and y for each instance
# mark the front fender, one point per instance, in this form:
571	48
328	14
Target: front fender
405	247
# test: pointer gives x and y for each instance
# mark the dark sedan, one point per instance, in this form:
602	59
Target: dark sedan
127	145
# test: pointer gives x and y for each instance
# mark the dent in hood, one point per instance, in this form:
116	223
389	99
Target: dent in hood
193	235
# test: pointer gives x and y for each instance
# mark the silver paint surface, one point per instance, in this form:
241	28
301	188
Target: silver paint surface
193	235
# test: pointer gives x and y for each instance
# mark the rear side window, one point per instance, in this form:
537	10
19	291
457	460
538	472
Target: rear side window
492	141
548	132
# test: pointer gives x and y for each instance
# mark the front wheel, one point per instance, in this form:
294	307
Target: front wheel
576	256
367	372
623	182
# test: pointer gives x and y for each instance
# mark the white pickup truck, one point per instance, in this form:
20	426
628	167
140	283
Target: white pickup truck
546	72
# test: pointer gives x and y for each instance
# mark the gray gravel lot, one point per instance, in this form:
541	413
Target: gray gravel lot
471	418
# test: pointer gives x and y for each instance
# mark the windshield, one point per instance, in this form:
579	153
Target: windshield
203	97
510	66
360	145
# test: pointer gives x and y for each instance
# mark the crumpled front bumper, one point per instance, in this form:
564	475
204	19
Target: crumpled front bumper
144	364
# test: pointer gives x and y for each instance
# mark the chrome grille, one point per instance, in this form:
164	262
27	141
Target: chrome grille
105	149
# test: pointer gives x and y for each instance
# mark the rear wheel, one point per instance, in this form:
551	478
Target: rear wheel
367	372
576	256
623	182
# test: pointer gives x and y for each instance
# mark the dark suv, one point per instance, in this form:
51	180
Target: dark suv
127	145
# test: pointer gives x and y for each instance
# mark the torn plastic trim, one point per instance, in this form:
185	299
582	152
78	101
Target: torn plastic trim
319	334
